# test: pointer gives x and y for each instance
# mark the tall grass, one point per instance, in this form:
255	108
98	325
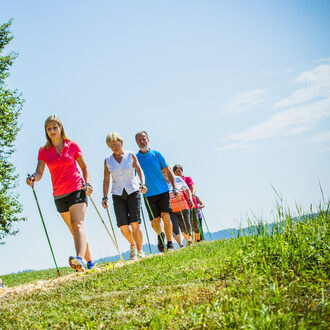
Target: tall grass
271	276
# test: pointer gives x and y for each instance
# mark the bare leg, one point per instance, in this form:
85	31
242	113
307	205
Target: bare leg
137	234
178	239
126	231
168	227
187	238
157	229
77	215
67	219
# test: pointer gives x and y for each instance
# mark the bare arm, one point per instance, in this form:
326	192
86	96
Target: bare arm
37	175
190	198
200	203
193	189
171	176
140	173
106	184
86	174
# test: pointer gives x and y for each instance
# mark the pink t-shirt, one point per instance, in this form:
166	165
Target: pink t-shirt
188	180
63	169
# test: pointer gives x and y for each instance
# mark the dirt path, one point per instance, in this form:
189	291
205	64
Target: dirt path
45	285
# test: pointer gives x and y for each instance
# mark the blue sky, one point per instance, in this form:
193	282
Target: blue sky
237	92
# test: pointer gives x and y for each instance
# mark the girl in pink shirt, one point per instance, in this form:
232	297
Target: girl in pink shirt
61	156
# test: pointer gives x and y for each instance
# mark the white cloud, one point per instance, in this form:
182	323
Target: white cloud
306	107
321	141
244	101
317	85
322	137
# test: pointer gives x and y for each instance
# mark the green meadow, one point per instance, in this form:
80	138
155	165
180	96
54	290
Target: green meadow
271	276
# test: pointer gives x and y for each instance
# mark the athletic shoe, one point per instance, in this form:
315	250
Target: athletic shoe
170	246
1	284
133	253
90	264
161	246
141	254
77	264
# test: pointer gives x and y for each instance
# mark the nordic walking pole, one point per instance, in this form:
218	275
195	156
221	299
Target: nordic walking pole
106	228
193	236
153	219
145	226
113	231
43	223
206	224
199	224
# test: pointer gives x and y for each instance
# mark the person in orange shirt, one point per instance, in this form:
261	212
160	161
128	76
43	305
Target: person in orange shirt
180	207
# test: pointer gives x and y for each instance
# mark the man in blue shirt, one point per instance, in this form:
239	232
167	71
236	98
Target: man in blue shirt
152	163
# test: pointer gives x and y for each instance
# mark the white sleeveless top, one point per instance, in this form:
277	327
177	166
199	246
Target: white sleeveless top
123	174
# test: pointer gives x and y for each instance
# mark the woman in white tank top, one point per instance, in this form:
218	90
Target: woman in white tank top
125	191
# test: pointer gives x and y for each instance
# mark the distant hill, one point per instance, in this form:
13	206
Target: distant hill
221	234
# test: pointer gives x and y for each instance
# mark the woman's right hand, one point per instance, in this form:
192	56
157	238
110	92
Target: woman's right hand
30	180
105	202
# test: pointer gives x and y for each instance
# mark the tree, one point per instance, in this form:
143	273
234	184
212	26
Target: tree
11	104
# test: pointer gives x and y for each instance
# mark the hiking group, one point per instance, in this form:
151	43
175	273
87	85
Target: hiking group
169	196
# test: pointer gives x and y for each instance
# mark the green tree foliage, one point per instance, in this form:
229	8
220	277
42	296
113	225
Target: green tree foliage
10	107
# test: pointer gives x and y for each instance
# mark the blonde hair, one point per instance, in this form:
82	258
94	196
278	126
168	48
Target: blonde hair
113	136
59	123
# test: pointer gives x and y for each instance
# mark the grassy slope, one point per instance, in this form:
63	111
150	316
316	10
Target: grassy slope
278	280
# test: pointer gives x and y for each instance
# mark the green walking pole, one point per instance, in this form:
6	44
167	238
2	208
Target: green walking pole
199	224
145	226
43	223
153	219
206	224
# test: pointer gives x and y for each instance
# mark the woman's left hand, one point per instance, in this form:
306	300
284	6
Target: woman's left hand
89	189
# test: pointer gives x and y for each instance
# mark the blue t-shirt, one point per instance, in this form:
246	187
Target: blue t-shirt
152	164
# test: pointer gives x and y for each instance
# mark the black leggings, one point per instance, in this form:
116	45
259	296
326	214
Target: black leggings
175	224
195	220
184	221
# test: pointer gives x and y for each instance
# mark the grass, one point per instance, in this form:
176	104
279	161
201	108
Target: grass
271	277
32	276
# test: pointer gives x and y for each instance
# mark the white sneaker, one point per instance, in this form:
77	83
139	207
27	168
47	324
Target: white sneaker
142	254
77	264
133	253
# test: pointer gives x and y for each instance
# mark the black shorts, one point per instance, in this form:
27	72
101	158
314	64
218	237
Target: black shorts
159	204
127	208
63	204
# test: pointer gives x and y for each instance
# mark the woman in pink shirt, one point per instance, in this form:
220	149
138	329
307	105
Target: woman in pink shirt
61	156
